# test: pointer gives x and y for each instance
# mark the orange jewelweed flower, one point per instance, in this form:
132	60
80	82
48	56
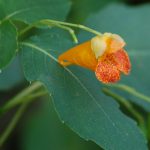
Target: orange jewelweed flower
102	54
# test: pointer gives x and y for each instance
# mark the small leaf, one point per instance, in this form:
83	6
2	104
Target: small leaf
8	43
77	96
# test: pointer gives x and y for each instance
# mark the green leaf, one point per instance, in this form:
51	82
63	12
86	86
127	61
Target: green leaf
44	129
81	9
11	76
8	43
27	11
133	25
34	10
77	96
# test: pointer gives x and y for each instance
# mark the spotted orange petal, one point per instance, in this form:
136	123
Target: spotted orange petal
107	71
122	61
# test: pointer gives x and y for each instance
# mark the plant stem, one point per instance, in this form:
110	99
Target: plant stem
131	91
38	94
12	124
60	24
148	126
129	106
24	97
48	21
70	30
21	97
28	28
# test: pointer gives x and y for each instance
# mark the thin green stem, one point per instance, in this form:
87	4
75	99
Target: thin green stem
4	136
128	106
28	28
70	30
25	97
37	94
48	21
21	97
60	24
148	127
131	91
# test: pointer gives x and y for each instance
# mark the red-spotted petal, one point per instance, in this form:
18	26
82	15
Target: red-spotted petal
106	70
122	61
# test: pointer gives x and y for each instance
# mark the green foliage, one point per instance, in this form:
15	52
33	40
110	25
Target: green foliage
8	42
15	71
45	130
77	96
83	8
80	11
31	11
135	30
26	11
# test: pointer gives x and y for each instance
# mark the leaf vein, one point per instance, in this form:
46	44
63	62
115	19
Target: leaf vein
77	79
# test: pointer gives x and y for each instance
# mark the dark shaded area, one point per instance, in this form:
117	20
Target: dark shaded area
137	2
6	118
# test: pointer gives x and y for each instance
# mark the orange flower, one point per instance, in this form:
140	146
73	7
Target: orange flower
103	54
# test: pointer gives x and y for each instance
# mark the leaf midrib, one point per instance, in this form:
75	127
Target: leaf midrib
76	78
